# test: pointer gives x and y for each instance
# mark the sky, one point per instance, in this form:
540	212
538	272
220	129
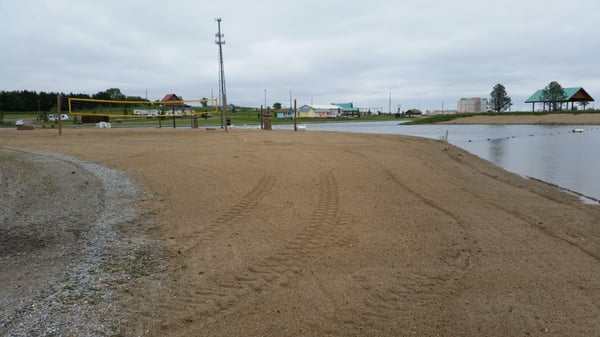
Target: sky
377	54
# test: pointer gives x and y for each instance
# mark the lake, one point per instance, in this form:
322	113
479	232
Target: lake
552	153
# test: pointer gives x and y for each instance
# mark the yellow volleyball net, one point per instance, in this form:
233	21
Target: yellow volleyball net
141	109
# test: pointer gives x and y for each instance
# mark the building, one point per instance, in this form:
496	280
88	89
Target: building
347	109
173	104
171	98
474	104
332	110
572	95
284	113
413	113
319	111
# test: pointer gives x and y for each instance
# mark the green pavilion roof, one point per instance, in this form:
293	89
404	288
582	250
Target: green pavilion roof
577	94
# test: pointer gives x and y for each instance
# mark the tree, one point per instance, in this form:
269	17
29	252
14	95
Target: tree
583	105
499	100
277	106
115	94
553	94
110	94
204	102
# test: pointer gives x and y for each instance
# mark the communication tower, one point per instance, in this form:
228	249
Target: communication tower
222	92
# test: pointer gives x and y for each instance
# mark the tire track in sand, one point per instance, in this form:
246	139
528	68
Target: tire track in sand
219	297
587	246
407	291
410	290
182	300
233	215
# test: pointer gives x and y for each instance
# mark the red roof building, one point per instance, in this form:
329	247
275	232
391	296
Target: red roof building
170	97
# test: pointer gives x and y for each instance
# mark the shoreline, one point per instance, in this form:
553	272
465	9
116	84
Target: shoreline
586	199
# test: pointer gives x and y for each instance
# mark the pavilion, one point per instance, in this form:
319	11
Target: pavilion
572	95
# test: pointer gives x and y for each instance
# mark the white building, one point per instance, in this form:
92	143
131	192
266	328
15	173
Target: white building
474	104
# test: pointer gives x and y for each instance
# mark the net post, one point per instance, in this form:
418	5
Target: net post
59	114
295	123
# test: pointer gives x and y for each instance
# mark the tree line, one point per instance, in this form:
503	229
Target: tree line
25	100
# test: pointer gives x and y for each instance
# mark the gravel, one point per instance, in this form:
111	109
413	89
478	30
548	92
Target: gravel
72	246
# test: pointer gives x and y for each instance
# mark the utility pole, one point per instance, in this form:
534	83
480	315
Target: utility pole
220	42
59	114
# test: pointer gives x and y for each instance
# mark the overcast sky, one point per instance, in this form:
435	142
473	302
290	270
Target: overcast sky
423	53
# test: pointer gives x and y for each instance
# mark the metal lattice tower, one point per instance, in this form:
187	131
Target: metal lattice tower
222	92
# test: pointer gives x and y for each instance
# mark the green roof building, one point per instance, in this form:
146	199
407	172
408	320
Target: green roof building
572	95
347	109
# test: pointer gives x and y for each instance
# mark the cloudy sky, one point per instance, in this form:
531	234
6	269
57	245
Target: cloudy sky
424	54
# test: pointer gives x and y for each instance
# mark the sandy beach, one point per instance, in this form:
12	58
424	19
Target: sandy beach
564	118
280	233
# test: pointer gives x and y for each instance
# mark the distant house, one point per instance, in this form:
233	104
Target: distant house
171	98
171	101
413	113
305	111
572	95
319	111
284	113
173	104
347	109
327	111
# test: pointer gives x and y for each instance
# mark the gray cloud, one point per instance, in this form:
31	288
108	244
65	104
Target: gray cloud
424	53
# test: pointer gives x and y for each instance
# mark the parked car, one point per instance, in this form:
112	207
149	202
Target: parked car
63	117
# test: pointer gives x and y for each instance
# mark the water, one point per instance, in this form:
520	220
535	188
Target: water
547	152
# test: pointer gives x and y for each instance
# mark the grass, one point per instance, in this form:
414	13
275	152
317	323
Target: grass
242	116
95	297
6	157
444	137
136	266
49	184
437	119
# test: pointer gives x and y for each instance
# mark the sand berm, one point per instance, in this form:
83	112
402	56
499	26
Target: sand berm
257	233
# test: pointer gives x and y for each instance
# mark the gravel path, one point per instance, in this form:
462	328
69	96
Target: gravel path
66	258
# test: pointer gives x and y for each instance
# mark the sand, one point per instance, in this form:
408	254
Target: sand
330	234
565	118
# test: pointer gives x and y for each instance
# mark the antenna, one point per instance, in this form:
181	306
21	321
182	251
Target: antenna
222	92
